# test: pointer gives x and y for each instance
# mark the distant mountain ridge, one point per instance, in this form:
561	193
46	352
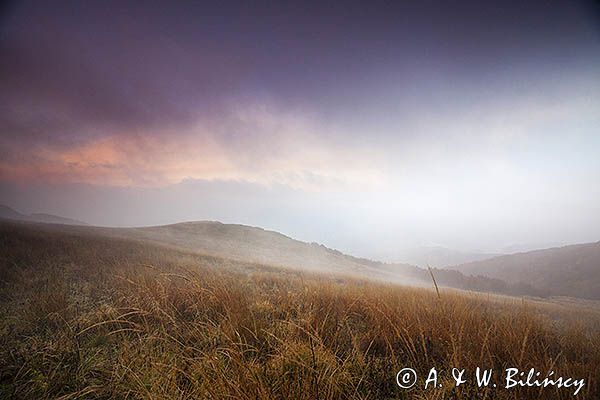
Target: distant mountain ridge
9	213
560	271
439	256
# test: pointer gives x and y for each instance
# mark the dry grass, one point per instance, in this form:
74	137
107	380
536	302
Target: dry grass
91	317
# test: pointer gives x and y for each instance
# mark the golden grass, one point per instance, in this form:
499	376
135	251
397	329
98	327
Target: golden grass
92	317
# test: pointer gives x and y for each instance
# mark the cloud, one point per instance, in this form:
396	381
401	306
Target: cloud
256	143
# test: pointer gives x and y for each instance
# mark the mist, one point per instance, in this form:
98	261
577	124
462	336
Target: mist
357	223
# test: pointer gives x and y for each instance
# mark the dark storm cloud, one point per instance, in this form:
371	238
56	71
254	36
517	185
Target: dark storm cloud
67	74
73	69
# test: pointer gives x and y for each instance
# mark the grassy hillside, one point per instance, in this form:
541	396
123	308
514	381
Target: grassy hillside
258	245
84	315
561	271
252	244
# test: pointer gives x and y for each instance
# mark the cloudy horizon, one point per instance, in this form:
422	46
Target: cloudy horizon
364	127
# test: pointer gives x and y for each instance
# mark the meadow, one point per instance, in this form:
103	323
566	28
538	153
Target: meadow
84	316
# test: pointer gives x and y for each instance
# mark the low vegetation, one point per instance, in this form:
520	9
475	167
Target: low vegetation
88	316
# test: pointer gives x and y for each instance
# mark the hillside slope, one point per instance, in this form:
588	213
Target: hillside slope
249	243
562	271
256	245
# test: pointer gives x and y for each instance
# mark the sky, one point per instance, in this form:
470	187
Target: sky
367	126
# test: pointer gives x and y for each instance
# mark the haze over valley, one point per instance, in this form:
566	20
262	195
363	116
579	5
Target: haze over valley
568	271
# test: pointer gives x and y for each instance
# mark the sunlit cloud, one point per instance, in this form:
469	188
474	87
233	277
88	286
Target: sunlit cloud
254	145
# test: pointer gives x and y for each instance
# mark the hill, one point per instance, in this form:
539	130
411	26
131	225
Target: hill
8	213
256	245
252	244
561	271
